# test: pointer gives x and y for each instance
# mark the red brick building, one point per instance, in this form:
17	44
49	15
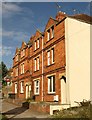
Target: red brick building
39	65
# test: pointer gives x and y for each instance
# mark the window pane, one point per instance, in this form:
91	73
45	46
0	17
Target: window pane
48	57
50	84
52	55
53	83
52	32
35	45
48	35
38	43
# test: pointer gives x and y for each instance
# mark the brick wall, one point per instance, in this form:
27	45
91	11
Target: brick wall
58	43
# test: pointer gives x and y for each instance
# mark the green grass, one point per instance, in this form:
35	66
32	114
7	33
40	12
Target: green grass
2	117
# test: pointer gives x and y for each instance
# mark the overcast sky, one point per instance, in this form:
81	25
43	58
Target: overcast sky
19	19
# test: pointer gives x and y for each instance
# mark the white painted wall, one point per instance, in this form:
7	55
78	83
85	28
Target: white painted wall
77	36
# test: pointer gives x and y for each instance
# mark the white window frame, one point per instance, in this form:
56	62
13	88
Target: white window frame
52	31
38	63
48	57
36	87
48	35
35	60
22	68
50	81
15	88
16	58
38	43
22	87
52	55
16	71
23	52
35	45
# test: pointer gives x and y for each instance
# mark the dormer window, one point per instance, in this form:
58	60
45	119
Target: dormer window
36	44
48	35
52	31
16	58
22	53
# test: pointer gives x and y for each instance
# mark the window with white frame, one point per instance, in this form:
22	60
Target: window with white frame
48	57
38	43
48	35
22	68
52	31
22	87
36	87
35	45
51	84
22	53
38	63
35	64
16	86
16	72
16	58
52	55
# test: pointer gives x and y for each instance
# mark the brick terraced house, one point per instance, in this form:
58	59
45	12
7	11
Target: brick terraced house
40	67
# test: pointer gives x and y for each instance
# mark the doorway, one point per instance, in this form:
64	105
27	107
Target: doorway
63	90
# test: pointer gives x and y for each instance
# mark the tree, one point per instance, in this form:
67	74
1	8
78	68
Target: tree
3	70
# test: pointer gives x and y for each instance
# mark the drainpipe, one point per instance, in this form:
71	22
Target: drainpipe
42	71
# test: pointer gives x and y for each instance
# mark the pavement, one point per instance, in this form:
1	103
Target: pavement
11	111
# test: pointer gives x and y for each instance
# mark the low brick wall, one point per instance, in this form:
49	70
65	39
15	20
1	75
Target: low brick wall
15	101
40	107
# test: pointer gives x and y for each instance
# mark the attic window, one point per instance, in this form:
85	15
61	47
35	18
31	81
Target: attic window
52	31
23	53
16	58
48	35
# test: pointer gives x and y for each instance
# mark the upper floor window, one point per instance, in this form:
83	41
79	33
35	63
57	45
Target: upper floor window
52	53
22	68
50	56
37	44
36	87
16	58
23	53
51	84
22	87
36	64
52	31
16	71
48	35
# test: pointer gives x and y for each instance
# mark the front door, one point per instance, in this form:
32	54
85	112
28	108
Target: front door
26	91
63	91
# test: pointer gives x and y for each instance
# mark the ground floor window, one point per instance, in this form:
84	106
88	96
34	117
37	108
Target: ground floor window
51	84
36	87
16	86
22	87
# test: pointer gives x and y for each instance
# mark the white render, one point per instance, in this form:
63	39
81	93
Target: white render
77	41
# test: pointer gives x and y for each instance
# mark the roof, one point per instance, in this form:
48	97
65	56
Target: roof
82	17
